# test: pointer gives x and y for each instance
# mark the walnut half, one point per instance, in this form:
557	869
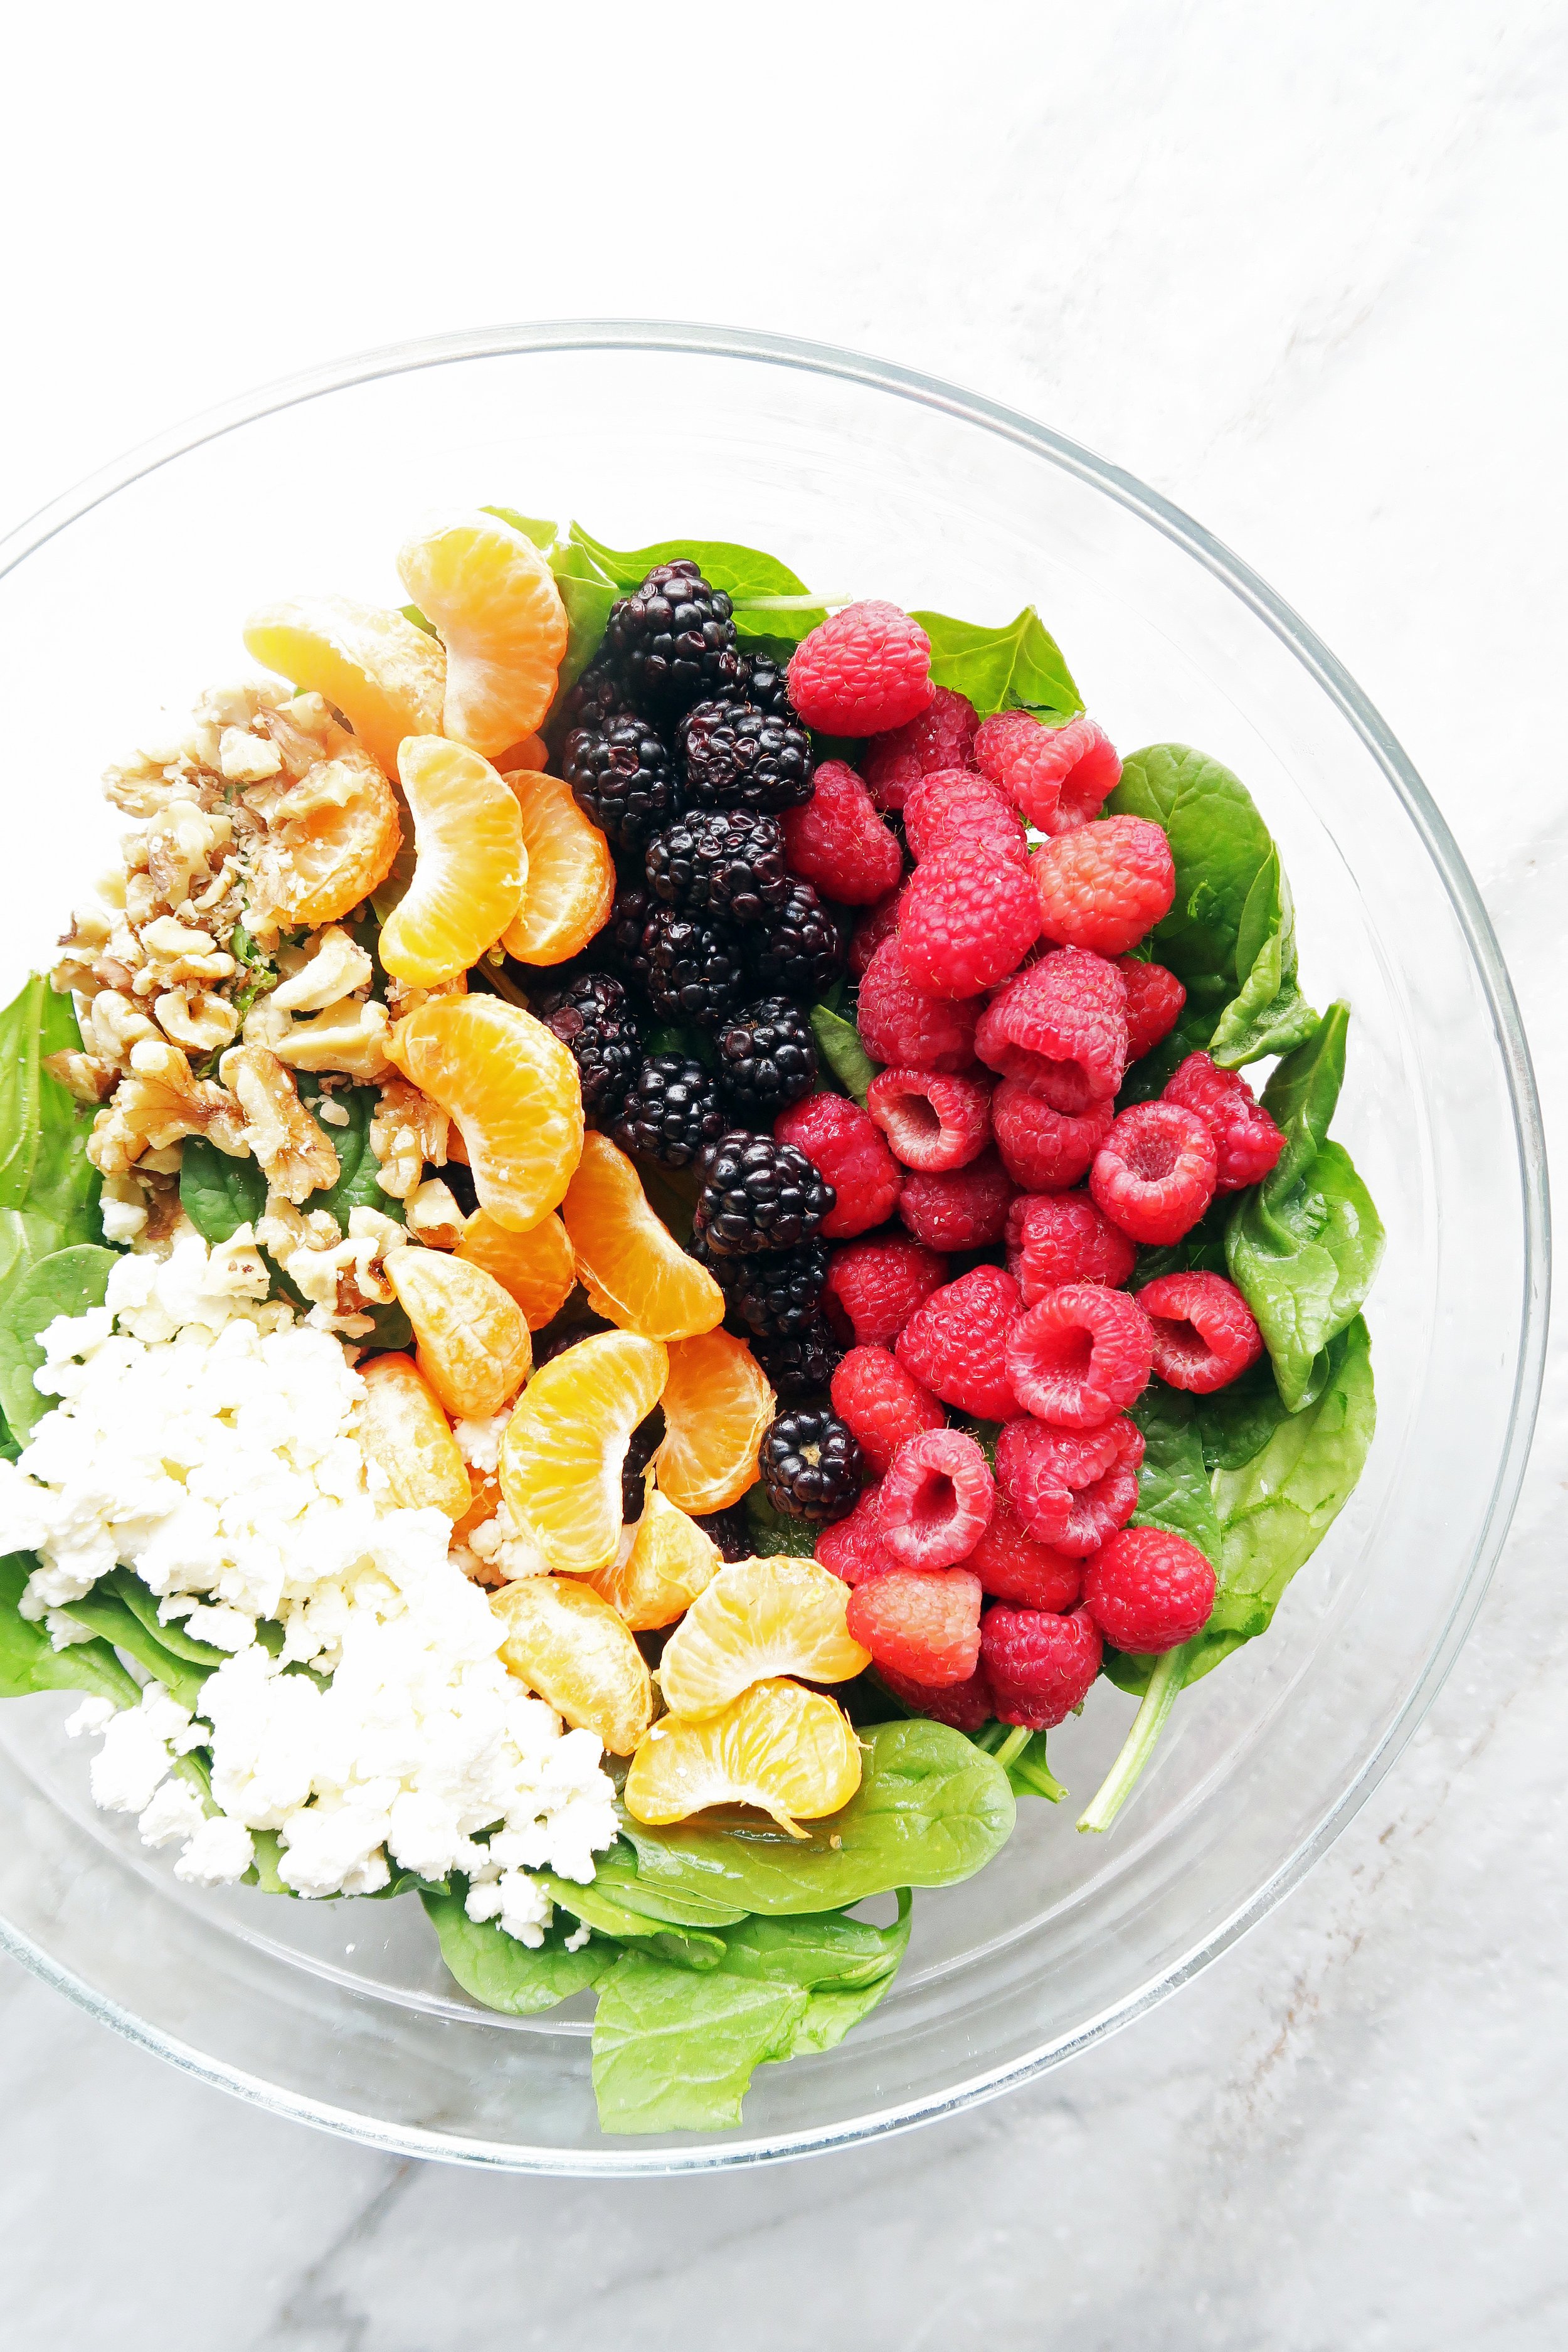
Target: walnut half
294	1156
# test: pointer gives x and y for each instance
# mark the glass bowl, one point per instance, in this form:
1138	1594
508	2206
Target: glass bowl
129	593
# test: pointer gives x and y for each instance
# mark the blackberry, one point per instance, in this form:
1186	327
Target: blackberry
593	1020
799	951
673	639
597	697
767	1058
736	756
621	777
645	1438
811	1467
694	968
731	1529
767	688
759	1195
804	1365
777	1296
625	934
728	861
672	1111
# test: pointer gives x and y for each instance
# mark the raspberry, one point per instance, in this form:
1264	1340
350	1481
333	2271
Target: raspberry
1062	1026
964	1209
1247	1142
921	1622
901	1025
1079	1355
837	841
846	1147
1154	1001
937	1499
956	1343
1155	1174
881	1404
1058	776
866	669
965	1705
955	805
968	915
1205	1335
1011	1566
1043	1150
878	923
875	1286
1070	1489
943	735
1148	1590
1104	885
1039	1666
1063	1237
934	1123
852	1548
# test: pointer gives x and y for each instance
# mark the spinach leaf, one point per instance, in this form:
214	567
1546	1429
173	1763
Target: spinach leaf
220	1194
595	1907
48	1187
1238	1421
172	1638
752	580
1017	665
775	1535
19	1059
839	1043
106	1612
616	1874
68	1283
1173	1479
1269	1013
359	1169
30	1661
516	1979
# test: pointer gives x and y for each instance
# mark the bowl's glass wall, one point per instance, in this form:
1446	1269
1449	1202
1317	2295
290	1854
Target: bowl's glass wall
340	2010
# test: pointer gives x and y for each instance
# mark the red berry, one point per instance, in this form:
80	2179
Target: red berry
1154	1001
874	1288
932	1122
967	918
1062	1237
846	1147
1205	1335
964	1209
1039	1666
955	805
1011	1566
943	735
1062	1026
862	671
1105	885
1155	1174
838	843
921	1622
903	1024
956	1344
881	1405
1060	776
937	1499
1247	1142
1079	1355
878	923
1148	1590
965	1705
852	1548
1071	1488
1043	1150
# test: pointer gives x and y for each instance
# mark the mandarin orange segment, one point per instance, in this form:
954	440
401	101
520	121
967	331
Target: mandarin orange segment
330	840
571	884
469	865
717	1404
787	1749
758	1617
474	1347
533	751
403	1431
536	1268
513	1090
670	1561
562	1449
571	1648
386	676
631	1265
493	598
484	1501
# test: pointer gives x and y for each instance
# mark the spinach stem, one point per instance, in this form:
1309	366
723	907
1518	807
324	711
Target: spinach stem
810	603
1018	1739
1119	1783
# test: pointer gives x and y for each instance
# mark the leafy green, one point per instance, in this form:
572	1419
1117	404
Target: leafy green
20	1054
30	1661
1017	665
1174	1481
220	1194
838	1042
68	1283
48	1187
772	1533
121	1610
748	577
359	1169
1028	1772
1238	1421
616	1874
516	1979
595	1907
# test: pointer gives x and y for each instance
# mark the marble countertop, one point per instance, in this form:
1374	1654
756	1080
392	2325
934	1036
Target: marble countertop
1301	270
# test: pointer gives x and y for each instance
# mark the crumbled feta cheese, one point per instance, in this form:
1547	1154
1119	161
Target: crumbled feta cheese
500	1543
173	1815
220	1851
225	1628
577	1938
478	1442
137	1753
63	1631
91	1716
123	1220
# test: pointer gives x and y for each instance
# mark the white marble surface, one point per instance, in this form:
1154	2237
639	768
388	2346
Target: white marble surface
1301	269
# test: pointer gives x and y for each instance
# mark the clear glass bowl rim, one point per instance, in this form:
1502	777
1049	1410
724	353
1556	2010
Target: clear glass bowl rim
929	392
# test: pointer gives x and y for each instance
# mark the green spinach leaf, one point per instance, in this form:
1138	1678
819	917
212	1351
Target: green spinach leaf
595	1907
774	1535
105	1612
839	1043
30	1661
68	1283
1017	665
20	1026
220	1194
1173	1479
359	1169
517	1978
616	1874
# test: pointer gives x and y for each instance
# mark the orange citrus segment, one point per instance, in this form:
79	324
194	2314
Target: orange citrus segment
717	1404
493	597
470	863
571	1647
758	1617
474	1347
386	676
402	1429
669	1563
512	1088
562	1449
790	1750
531	752
330	842
631	1265
536	1268
484	1501
571	884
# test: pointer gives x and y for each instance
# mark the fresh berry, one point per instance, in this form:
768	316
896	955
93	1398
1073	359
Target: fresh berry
641	1446
1070	1489
766	684
673	639
900	1024
1040	1666
727	862
932	1122
1062	1026
875	1286
955	805
852	1548
624	935
1205	1335
920	1622
1154	1002
882	1403
965	1705
672	1112
802	1365
937	1499
600	694
878	923
694	971
774	1295
1155	1174
838	843
956	1343
1105	885
1147	1590
1043	1150
943	735
865	670
797	951
736	756
1011	1566
966	1209
731	1530
622	779
767	1058
1062	1237
1247	1142
968	915
844	1144
758	1195
810	1466
1058	776
1079	1355
593	1020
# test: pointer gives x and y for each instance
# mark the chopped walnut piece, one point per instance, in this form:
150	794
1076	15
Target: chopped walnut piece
184	846
176	953
112	1024
294	1155
402	997
349	1037
329	966
408	1130
158	1104
434	1215
82	1074
342	1275
196	1019
164	1213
